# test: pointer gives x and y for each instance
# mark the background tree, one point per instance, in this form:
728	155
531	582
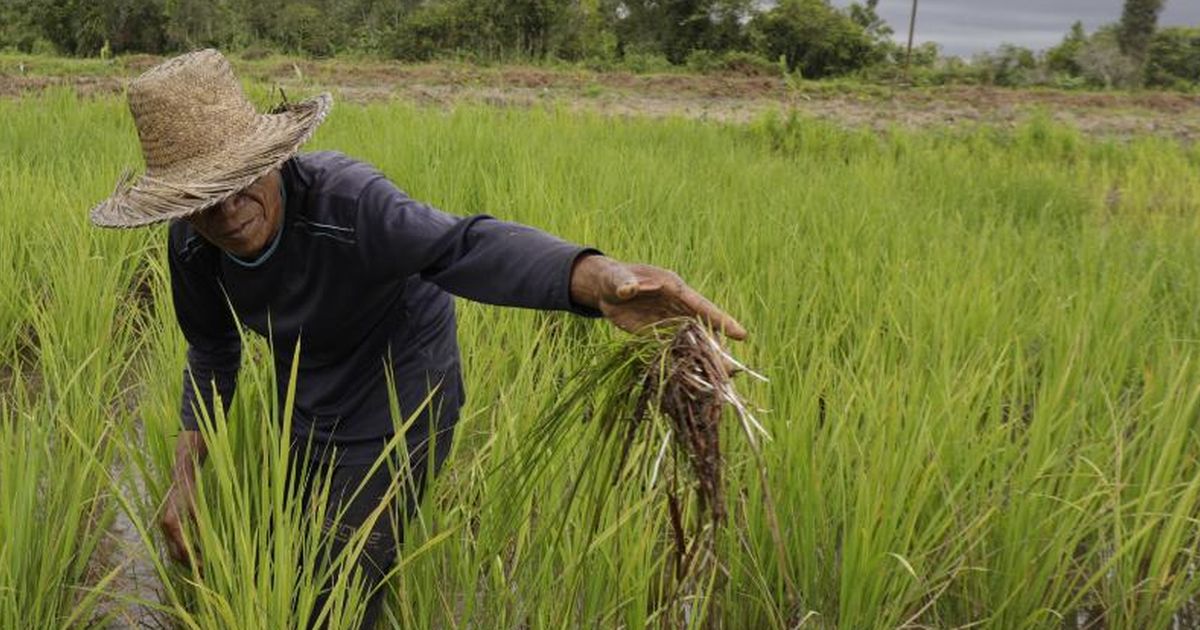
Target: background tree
866	16
814	38
199	23
18	28
303	27
1063	57
676	28
1173	58
1102	62
1138	21
83	27
1009	65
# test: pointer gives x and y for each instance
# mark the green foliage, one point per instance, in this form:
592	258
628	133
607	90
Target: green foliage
195	24
513	29
1103	64
645	62
1174	58
605	33
67	332
1138	21
81	27
18	26
867	16
814	38
422	33
303	27
1009	66
736	62
1064	57
675	28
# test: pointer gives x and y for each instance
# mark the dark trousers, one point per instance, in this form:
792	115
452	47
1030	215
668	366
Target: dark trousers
355	492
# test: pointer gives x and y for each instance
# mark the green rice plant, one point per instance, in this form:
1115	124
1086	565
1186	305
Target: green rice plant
52	517
260	548
651	410
64	388
982	344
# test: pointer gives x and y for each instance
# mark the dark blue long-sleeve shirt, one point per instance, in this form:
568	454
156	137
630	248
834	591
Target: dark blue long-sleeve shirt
359	275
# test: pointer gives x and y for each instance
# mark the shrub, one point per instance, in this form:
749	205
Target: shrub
645	62
256	52
813	38
732	62
421	34
703	61
748	63
1009	66
1174	57
1104	65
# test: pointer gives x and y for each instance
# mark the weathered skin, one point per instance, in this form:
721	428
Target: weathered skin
244	223
631	296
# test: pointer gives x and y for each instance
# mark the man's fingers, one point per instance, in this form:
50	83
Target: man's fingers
179	552
177	547
647	295
718	319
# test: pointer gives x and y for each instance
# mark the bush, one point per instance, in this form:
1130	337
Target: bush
1062	58
256	52
645	62
813	38
704	61
422	34
1009	66
305	29
748	63
1173	59
732	62
1104	65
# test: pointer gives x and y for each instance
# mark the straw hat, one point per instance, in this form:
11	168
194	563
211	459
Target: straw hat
202	140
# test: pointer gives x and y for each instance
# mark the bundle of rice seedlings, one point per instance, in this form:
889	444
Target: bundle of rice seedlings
648	412
686	385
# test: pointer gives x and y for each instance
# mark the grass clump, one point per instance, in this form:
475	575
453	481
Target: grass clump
649	411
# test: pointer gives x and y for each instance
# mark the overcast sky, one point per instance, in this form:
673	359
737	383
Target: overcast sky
965	27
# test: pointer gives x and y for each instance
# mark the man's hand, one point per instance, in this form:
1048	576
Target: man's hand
635	296
180	508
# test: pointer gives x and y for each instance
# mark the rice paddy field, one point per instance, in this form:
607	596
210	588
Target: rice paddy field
982	346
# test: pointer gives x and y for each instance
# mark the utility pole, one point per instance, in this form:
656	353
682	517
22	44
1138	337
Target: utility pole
912	26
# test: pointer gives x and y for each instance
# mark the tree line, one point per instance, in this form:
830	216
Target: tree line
809	38
1128	53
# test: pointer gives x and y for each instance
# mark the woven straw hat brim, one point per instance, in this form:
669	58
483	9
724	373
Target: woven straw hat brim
158	197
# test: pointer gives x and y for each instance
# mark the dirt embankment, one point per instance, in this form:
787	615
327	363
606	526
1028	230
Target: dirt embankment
726	98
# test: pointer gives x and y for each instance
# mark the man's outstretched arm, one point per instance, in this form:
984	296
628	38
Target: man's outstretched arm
499	262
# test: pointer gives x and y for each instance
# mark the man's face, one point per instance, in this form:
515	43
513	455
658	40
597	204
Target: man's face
244	223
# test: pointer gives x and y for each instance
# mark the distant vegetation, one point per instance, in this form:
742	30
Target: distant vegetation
809	38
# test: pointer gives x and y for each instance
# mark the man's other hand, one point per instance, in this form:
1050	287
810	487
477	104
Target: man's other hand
179	510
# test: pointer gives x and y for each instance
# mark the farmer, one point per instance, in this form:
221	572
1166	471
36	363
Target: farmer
324	251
